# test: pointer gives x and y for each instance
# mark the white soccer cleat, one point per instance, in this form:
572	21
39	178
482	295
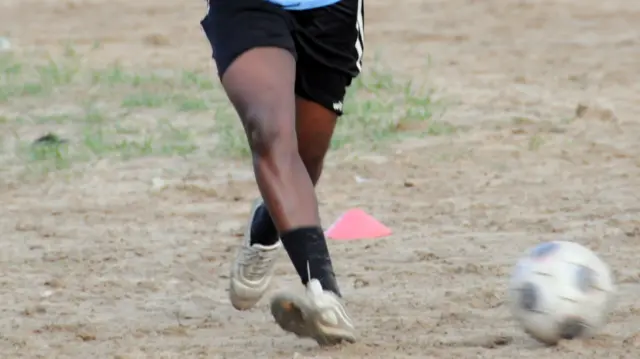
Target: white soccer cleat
252	268
317	314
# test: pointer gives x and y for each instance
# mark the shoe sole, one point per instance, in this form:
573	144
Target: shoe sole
242	303
287	310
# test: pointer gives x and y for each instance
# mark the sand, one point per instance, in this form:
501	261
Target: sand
547	93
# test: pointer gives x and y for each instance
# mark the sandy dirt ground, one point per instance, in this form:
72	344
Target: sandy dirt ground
97	267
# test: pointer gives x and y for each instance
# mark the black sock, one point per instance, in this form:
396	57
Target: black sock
308	245
263	231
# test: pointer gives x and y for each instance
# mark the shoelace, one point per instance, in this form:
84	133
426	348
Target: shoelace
256	262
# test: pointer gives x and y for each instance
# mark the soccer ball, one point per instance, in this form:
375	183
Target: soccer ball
561	290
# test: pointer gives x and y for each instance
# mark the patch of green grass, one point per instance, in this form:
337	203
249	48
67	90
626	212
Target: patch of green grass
380	108
99	142
535	142
57	118
57	73
20	80
93	115
232	141
520	121
144	100
164	140
112	112
175	141
185	103
202	82
46	157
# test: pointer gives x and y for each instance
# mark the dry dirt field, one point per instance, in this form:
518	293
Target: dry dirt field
124	252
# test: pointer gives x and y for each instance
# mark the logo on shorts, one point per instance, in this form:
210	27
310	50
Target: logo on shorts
337	106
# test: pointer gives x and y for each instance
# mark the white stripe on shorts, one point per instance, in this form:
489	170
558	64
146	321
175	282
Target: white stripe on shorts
360	36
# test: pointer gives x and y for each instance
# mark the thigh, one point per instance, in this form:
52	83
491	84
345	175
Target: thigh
234	27
329	43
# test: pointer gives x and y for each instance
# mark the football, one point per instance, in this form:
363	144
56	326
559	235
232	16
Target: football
561	290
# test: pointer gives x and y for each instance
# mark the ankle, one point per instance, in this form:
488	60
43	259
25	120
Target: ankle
308	251
263	231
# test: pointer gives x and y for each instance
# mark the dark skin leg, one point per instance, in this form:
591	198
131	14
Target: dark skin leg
315	125
260	85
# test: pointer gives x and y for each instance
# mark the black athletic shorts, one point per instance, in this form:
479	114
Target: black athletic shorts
327	42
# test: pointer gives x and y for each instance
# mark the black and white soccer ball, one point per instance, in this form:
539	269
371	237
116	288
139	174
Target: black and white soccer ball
561	290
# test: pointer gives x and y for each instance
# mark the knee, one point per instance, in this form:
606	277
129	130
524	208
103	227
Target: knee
313	161
270	132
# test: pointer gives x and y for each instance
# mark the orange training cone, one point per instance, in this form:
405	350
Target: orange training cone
356	224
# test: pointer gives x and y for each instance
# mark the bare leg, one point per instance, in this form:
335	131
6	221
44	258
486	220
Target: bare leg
260	84
252	42
318	314
314	126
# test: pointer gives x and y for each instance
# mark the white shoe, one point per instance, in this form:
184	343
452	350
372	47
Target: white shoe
317	314
252	268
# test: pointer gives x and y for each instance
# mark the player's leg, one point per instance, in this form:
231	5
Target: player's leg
315	125
306	315
260	85
253	48
329	53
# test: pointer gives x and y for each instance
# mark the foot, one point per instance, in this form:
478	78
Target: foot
252	268
317	314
